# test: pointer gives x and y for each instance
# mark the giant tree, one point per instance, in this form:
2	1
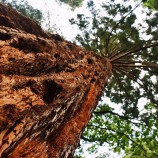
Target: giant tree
49	87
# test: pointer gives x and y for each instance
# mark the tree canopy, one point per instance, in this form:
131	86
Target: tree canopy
113	31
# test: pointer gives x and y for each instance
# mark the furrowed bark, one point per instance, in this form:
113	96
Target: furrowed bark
48	90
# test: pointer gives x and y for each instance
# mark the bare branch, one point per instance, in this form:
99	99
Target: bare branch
113	113
121	55
131	76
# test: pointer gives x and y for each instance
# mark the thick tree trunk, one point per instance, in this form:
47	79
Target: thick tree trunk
48	89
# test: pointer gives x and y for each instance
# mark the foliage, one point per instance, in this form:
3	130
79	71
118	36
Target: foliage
111	32
120	40
147	142
73	3
27	10
135	137
151	4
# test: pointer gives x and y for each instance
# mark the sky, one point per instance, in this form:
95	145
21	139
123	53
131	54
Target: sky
59	16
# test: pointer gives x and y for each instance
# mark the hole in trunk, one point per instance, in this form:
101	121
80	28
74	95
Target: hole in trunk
11	59
4	36
90	61
52	90
56	55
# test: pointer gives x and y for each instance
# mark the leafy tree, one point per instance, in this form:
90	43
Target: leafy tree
117	37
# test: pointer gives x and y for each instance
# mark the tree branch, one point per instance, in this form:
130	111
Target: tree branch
113	113
131	76
89	140
119	56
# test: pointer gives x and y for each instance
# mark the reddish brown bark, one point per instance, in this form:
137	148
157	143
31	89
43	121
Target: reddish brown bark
48	90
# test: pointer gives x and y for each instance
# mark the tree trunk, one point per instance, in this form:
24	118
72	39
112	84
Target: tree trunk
48	89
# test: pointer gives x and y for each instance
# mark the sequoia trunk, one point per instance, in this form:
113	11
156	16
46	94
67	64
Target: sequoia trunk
48	89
